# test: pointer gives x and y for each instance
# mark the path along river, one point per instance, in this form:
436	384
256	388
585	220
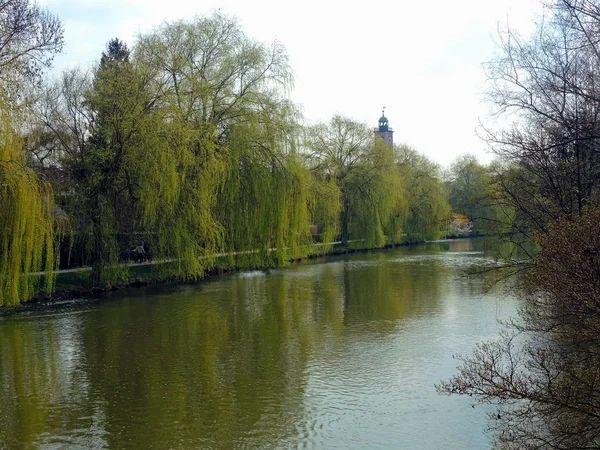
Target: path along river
338	353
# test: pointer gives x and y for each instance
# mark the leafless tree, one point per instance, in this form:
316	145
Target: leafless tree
544	373
548	88
30	37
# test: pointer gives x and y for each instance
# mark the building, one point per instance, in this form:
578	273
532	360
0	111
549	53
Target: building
384	131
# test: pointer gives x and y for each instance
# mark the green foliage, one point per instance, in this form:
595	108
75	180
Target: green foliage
265	196
428	208
232	186
473	191
189	143
208	71
117	104
362	167
29	37
26	221
324	207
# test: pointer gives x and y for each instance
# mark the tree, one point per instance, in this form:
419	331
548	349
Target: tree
428	207
209	72
99	127
547	88
26	221
132	167
362	168
217	82
175	140
117	106
544	372
29	38
264	203
472	193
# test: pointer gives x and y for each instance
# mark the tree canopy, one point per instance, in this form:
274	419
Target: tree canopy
186	144
29	36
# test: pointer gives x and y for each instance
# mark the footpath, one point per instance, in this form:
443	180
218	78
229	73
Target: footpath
148	263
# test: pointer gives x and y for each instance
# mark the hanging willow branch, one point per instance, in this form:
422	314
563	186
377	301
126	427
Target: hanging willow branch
26	222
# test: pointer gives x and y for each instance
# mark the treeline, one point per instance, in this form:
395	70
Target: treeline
185	141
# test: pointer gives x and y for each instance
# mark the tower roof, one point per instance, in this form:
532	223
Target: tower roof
383	121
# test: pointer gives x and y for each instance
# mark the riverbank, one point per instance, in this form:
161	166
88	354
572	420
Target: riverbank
76	283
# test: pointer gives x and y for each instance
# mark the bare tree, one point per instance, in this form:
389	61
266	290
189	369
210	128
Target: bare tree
548	86
544	373
30	37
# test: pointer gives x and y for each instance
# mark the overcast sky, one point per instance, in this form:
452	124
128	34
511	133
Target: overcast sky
422	60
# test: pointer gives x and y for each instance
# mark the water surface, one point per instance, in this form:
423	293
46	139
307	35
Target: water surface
340	353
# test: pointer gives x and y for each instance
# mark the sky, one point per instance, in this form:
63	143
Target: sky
421	60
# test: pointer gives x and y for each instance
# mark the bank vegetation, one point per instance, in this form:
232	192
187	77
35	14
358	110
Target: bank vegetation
544	373
185	146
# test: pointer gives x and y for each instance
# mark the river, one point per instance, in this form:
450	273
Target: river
337	353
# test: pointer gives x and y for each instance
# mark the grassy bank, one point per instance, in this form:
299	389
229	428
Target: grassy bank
78	284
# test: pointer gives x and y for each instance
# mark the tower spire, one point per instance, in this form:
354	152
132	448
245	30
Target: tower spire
384	131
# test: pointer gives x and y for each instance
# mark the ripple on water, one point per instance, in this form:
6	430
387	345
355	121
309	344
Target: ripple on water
304	357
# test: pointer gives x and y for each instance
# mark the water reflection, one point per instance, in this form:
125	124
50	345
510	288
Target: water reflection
341	353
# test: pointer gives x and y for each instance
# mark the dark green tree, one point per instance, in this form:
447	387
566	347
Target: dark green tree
117	105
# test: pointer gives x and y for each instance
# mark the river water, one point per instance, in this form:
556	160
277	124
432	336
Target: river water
338	353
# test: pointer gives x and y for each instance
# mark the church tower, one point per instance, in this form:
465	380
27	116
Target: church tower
384	131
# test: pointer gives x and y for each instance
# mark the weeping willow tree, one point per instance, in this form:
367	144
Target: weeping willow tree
148	142
389	192
26	221
372	208
169	176
29	38
209	72
179	172
146	173
324	207
428	208
266	192
218	82
367	201
377	192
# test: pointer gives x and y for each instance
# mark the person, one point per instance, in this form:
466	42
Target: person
147	252
141	254
126	255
